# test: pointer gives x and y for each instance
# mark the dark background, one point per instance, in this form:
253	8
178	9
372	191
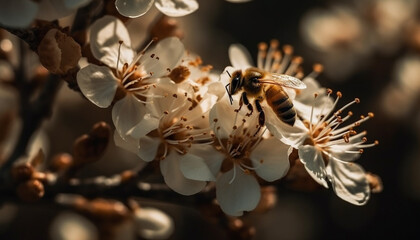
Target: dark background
298	214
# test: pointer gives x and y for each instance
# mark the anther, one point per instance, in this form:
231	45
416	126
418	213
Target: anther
274	43
329	90
235	127
262	46
362	116
360	150
357	100
376	142
120	42
297	59
168	69
364	139
288	49
153	55
315	95
174	95
350	113
166	112
318	68
215	120
371	115
339	94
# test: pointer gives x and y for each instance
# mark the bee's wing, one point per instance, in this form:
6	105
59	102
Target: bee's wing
284	80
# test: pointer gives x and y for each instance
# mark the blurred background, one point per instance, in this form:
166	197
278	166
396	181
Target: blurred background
370	49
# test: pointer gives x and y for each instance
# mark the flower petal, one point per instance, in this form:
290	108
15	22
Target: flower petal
18	13
239	57
127	113
98	84
211	156
133	8
148	148
349	182
129	144
105	36
152	223
222	115
146	125
167	53
176	8
290	135
175	179
271	158
314	163
242	194
195	168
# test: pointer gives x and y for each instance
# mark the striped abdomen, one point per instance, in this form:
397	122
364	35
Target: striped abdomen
281	104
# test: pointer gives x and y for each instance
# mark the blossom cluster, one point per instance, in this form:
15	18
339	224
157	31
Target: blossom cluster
170	108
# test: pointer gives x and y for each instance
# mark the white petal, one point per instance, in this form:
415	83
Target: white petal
222	115
176	8
290	135
129	144
98	84
126	113
167	53
175	179
211	156
314	163
133	8
151	223
243	194
239	57
148	148
105	35
271	159
195	168
18	13
349	182
146	125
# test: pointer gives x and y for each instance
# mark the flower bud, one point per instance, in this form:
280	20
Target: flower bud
166	27
61	162
58	52
22	172
30	190
90	147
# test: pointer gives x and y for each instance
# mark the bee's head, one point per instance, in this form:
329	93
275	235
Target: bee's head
234	85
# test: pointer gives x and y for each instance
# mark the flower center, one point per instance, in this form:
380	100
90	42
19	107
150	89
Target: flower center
326	131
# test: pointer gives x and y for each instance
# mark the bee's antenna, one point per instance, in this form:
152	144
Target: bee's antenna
227	90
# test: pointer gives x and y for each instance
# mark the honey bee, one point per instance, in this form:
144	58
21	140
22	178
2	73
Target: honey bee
260	85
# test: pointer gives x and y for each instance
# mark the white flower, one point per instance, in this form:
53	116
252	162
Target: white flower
247	155
172	8
21	13
328	150
176	133
129	73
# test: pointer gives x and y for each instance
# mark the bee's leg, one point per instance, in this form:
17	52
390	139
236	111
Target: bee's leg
244	100
261	116
248	104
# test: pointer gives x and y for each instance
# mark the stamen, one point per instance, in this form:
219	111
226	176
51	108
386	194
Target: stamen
262	48
118	59
140	54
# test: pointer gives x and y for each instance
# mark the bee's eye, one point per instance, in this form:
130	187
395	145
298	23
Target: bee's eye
254	80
